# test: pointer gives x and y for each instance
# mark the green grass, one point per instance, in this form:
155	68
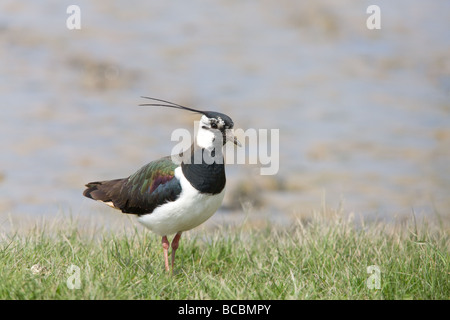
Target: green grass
324	257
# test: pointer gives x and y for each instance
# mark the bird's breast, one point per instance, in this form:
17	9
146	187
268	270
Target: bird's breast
191	209
205	178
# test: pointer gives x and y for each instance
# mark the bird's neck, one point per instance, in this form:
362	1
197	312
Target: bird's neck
207	148
203	164
209	139
205	156
205	170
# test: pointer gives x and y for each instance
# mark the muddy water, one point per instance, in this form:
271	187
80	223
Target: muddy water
363	115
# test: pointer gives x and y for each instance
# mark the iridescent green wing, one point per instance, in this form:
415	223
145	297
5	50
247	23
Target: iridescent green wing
151	186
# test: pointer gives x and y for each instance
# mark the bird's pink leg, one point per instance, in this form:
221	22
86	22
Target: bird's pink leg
175	241
165	244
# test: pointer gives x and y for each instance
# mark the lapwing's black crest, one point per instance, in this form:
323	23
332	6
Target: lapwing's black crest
218	120
172	196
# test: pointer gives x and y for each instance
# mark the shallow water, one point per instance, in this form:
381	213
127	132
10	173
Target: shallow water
364	115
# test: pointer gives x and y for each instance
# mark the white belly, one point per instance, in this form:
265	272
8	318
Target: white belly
189	211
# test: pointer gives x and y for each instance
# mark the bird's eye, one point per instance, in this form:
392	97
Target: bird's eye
214	125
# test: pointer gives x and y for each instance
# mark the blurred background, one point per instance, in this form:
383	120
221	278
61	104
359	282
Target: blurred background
364	115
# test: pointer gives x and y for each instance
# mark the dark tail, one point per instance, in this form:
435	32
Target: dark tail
106	191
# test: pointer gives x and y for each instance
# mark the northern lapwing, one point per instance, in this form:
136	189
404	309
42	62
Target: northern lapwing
179	192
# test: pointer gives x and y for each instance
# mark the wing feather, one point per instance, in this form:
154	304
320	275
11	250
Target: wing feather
151	186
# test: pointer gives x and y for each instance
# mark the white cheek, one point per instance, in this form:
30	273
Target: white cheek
205	138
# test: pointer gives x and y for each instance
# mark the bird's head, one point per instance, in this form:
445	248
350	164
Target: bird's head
214	126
